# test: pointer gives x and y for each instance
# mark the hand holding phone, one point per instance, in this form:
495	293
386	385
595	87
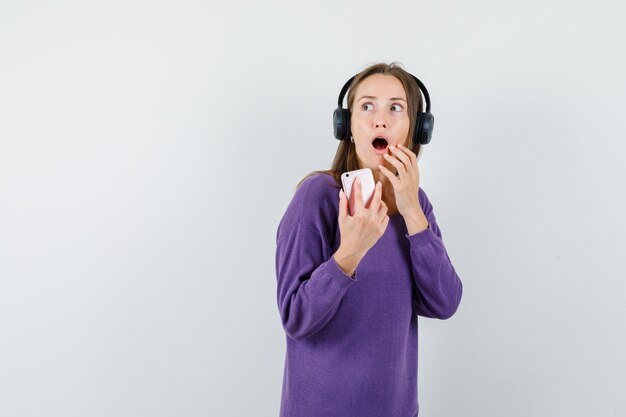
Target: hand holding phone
367	186
359	232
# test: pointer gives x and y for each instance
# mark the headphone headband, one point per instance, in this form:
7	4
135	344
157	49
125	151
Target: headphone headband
424	121
420	85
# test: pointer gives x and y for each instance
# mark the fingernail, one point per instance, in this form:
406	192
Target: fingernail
358	180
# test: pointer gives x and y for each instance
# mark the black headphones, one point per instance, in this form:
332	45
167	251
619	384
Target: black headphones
423	124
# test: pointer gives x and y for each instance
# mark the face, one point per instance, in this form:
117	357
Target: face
379	119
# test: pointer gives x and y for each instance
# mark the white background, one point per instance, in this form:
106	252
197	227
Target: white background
149	149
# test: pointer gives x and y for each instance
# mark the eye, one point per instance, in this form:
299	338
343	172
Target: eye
364	106
396	106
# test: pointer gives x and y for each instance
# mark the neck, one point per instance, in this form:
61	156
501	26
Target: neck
379	176
388	195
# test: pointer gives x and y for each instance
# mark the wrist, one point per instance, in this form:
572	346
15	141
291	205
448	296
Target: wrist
416	221
347	260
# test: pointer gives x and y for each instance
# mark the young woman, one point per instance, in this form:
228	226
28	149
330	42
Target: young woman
350	287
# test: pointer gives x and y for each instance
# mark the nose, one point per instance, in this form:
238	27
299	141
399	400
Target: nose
380	121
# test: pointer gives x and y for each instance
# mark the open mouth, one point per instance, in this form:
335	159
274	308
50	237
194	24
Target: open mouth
380	145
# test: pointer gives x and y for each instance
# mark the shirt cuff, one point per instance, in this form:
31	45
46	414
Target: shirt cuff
422	237
340	271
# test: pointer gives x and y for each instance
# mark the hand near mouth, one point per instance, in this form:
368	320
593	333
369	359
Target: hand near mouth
405	187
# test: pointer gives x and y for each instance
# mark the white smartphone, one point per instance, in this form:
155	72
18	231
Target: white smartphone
367	185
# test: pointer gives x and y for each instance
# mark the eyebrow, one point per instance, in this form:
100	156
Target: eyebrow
374	98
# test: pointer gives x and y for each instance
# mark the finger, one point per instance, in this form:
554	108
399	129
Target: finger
390	175
343	205
357	191
374	202
403	156
382	211
351	201
385	221
412	156
395	162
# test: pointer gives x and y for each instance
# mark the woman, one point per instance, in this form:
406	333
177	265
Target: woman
350	287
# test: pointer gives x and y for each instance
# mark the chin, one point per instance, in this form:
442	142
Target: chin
374	165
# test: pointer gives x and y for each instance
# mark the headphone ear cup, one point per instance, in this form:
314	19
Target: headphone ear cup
423	128
341	124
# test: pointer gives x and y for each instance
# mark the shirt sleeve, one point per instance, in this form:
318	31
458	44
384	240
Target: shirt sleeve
310	284
439	288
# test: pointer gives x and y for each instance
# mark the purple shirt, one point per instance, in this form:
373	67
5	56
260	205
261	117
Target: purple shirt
352	343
